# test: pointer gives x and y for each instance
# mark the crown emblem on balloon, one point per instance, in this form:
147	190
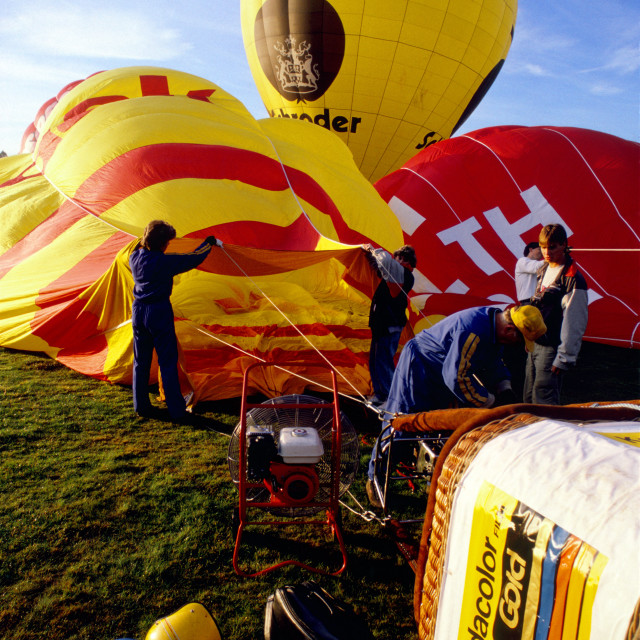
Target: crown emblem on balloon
295	70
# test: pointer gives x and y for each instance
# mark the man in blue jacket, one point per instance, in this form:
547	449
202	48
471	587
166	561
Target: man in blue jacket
152	315
457	362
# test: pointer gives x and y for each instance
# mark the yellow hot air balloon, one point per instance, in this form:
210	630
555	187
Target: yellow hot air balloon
388	77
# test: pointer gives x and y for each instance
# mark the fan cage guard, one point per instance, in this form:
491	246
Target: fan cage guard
320	419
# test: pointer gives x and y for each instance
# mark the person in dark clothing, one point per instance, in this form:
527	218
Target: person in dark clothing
387	315
562	297
152	314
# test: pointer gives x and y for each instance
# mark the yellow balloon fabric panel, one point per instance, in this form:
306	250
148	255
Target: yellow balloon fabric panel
389	78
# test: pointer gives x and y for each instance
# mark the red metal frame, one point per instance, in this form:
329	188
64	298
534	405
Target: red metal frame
332	506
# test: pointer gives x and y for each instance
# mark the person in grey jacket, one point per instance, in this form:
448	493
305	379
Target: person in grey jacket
561	296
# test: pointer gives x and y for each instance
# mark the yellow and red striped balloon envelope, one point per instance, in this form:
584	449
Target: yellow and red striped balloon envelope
130	145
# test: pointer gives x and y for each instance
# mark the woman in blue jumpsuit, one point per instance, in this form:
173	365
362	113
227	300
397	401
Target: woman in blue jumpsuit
152	315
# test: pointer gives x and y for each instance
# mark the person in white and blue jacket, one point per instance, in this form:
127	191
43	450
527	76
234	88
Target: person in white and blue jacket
152	314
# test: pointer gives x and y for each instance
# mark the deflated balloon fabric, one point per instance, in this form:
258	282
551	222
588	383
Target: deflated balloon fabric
130	145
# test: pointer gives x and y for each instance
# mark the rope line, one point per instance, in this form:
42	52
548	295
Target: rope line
363	513
291	323
197	327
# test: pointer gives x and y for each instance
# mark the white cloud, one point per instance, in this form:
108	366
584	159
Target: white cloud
34	71
603	89
535	70
100	32
625	60
537	40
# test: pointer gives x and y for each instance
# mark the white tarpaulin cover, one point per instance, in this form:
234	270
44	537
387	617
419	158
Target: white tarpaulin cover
544	539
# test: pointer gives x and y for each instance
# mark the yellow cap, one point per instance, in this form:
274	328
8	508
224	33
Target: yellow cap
192	622
529	321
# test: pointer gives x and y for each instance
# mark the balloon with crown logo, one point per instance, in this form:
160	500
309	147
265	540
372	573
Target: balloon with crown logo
389	78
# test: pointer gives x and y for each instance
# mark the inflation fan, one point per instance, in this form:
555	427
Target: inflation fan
292	457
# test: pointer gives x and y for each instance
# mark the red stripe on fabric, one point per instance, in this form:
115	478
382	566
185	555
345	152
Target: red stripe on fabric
140	168
60	322
308	189
200	361
49	141
91	361
149	85
44	234
68	326
154	85
89	358
20	177
338	358
298	236
47	146
201	94
89	355
84	107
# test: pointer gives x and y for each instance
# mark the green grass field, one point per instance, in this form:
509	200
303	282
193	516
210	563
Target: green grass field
109	522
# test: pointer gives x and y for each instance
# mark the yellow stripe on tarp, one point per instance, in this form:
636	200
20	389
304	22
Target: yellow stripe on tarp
591	588
631	439
535	579
492	515
575	593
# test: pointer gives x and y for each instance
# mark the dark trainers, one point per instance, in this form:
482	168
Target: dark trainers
149	413
372	494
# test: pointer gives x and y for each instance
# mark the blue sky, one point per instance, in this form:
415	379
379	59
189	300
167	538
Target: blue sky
572	63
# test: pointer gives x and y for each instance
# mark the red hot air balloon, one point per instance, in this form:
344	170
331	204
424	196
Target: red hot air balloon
470	204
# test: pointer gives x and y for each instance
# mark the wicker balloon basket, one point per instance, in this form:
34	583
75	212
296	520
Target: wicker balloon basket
473	430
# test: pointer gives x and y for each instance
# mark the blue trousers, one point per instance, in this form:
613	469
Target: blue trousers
381	361
540	385
415	387
153	328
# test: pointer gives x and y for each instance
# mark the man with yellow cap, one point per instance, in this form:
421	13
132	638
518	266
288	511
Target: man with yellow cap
458	362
